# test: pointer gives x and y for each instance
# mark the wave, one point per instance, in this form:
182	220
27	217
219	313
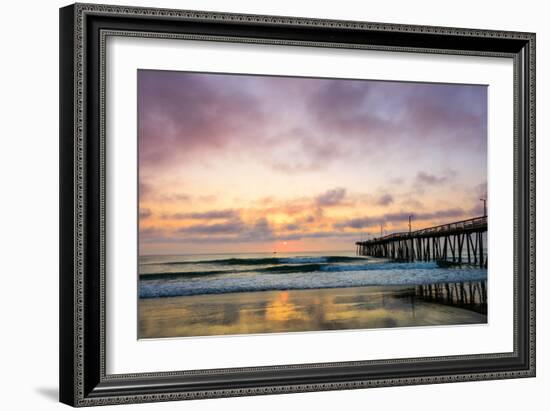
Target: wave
267	260
381	266
183	274
281	269
328	267
330	280
295	268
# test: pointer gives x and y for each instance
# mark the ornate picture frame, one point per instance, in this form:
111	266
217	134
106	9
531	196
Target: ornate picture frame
84	29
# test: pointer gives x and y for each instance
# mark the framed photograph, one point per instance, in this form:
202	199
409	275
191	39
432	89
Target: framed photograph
261	204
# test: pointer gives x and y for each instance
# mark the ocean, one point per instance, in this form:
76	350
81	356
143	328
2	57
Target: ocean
187	275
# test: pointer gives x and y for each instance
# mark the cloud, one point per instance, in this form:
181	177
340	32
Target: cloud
316	234
291	227
289	207
144	213
182	113
396	181
176	197
237	229
331	197
230	227
299	125
366	111
339	107
456	115
260	231
207	215
357	223
432	215
144	190
430	179
380	199
151	233
412	203
399	217
448	213
147	192
298	150
385	199
310	219
250	237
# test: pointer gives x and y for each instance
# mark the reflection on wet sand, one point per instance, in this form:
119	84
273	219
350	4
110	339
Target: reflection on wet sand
313	310
470	295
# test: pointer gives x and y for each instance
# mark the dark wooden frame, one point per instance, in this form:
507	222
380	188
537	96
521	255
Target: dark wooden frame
83	29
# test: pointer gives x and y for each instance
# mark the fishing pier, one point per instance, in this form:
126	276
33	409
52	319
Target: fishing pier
461	242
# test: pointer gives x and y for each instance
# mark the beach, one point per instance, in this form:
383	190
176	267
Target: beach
305	310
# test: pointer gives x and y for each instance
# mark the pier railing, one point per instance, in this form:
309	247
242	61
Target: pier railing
471	224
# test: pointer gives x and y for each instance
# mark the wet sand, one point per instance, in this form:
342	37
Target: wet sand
296	310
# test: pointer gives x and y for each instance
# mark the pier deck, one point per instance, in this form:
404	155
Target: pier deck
458	242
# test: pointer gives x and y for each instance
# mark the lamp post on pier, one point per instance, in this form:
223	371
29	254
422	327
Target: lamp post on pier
484	206
411	254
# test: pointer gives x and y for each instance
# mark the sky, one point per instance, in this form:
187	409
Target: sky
234	163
